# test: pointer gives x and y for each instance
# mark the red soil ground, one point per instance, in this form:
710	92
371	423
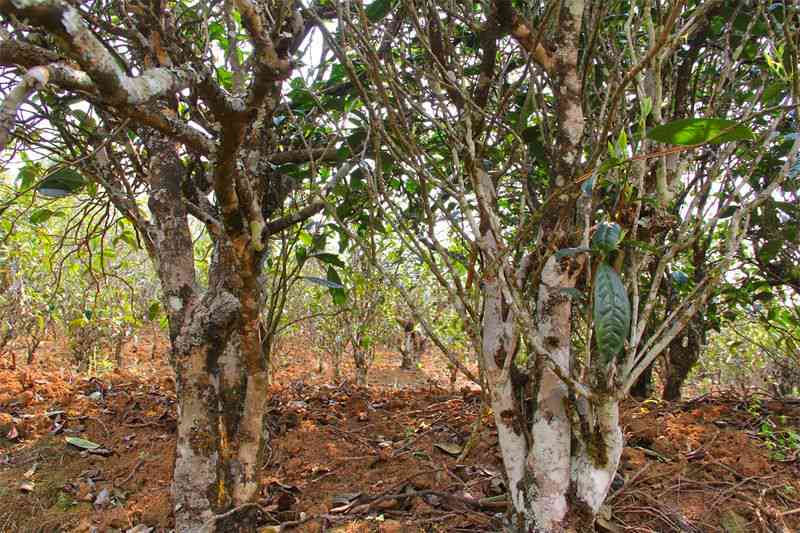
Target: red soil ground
382	458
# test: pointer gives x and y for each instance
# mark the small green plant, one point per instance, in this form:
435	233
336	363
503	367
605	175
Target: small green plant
781	442
65	502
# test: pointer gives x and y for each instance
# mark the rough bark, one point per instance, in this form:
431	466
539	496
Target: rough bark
684	351
361	366
412	346
214	345
643	387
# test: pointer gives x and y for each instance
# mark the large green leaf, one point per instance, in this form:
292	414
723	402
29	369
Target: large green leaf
337	293
324	282
41	215
612	312
606	237
690	131
27	175
378	10
328	258
62	182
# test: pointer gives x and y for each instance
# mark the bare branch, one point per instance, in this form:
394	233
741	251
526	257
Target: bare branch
94	57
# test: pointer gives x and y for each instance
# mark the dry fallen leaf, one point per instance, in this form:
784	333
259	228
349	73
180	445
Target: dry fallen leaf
82	443
31	471
448	448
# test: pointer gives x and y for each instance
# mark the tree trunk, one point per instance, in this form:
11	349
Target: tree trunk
118	351
684	351
221	374
337	363
411	349
361	364
407	350
561	458
221	385
412	345
643	387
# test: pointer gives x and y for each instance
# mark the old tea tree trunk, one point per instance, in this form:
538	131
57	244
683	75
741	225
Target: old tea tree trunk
561	440
169	130
526	116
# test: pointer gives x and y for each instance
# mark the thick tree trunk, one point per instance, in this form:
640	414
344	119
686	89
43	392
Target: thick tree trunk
643	387
412	346
221	374
221	432
684	351
361	364
561	458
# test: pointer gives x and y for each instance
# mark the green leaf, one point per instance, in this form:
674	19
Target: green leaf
606	237
128	238
330	259
533	137
773	92
27	175
62	182
356	139
770	250
225	77
571	252
378	10
300	254
41	215
323	282
691	131
86	121
611	313
152	311
82	443
680	278
337	292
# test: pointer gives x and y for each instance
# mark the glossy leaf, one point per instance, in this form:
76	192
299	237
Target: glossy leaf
62	182
378	10
41	215
691	131
330	259
324	282
606	237
680	278
611	313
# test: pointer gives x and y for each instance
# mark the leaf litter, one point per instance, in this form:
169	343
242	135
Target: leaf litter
386	458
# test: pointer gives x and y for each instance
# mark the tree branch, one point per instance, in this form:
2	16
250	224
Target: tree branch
33	80
520	30
66	22
280	224
270	67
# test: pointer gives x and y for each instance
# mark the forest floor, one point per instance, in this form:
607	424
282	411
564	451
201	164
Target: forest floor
384	458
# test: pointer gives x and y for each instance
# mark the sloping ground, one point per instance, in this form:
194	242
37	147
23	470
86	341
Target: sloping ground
377	459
